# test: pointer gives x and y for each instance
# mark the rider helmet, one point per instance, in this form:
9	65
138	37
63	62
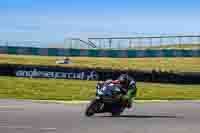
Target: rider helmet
124	79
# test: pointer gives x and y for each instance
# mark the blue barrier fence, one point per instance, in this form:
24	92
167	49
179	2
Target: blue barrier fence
100	52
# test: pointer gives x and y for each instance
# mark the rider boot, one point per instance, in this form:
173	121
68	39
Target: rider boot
129	104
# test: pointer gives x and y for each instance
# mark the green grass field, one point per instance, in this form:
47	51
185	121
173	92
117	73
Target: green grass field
165	64
53	89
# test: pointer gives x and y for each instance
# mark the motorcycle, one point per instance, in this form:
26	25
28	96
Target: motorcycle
107	100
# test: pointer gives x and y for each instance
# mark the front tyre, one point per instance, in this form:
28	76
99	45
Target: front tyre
91	108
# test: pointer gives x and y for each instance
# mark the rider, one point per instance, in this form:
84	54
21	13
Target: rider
128	87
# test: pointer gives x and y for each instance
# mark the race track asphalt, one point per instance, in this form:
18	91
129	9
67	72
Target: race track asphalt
19	116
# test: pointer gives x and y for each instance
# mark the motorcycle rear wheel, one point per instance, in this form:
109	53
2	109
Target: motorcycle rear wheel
116	114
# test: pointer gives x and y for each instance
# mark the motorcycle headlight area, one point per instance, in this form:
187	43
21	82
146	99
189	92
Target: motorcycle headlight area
99	92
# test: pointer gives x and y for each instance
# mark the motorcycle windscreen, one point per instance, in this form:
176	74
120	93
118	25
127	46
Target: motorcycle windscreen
109	89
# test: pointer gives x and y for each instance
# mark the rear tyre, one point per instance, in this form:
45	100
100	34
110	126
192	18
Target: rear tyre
116	114
91	109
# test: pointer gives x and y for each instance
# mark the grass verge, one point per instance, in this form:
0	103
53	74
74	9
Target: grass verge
165	64
52	89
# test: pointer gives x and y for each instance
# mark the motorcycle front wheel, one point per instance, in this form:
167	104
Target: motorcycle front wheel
91	108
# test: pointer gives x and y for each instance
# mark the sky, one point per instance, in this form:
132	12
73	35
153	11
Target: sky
52	20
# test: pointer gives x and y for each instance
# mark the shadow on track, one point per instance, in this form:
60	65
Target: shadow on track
143	116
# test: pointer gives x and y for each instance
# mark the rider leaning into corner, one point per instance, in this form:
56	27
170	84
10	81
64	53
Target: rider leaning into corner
128	88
